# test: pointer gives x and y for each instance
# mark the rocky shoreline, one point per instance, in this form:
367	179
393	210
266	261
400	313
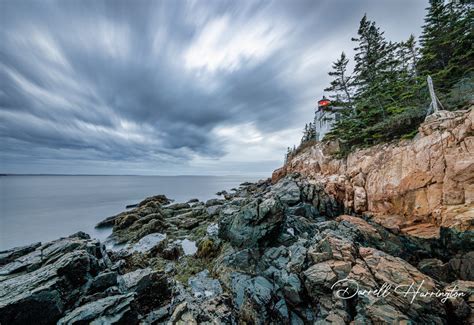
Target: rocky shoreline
385	236
266	253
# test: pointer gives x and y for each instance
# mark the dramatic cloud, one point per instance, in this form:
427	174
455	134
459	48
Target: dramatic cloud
170	87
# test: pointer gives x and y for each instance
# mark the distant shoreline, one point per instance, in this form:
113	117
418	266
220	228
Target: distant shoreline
112	175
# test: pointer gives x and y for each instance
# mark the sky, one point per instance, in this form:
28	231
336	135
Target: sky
171	87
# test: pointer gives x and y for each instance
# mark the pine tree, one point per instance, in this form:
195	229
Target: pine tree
341	84
387	88
447	51
435	47
373	63
412	56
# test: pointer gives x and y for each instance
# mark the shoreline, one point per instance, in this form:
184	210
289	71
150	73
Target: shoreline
285	243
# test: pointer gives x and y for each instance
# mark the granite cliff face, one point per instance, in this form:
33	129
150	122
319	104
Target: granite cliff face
414	186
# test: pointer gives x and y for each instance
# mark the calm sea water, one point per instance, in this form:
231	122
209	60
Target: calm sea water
42	208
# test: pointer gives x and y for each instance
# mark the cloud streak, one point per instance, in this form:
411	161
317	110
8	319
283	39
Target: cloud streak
168	87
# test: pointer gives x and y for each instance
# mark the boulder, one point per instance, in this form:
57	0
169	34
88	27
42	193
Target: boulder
42	296
253	224
110	310
287	191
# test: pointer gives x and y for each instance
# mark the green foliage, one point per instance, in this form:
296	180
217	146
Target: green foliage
309	137
387	89
447	51
341	86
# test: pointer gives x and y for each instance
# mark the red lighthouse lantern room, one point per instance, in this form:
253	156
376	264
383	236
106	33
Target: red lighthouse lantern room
324	103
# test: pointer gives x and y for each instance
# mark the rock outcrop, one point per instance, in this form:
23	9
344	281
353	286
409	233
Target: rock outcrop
415	186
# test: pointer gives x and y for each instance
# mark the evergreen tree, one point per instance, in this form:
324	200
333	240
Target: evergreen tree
436	49
412	56
447	38
341	84
373	63
387	89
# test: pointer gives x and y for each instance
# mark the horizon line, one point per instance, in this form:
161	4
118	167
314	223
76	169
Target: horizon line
153	175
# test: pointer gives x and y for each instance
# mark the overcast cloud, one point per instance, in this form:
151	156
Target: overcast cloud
170	87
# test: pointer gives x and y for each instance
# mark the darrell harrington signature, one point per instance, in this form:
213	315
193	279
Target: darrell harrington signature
351	289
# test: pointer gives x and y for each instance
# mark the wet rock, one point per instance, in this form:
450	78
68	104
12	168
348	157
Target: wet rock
109	310
157	199
152	288
49	253
253	223
107	222
276	251
126	221
41	296
214	202
259	302
202	286
9	255
287	191
148	242
178	206
103	281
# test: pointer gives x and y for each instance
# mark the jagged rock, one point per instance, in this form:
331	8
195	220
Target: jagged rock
463	266
103	281
435	269
460	305
49	253
360	199
151	288
253	223
204	287
148	242
9	255
178	206
287	191
320	277
107	222
157	199
41	296
214	202
426	179
212	229
109	310
213	210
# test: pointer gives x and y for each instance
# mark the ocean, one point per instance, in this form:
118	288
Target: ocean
43	208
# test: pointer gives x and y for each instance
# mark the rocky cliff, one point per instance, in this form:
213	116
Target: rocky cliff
413	186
